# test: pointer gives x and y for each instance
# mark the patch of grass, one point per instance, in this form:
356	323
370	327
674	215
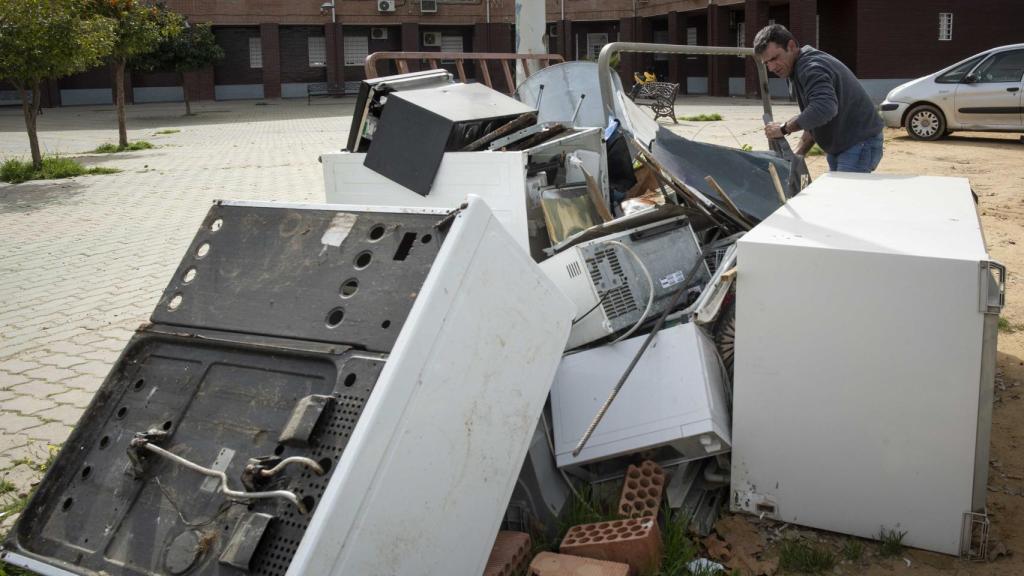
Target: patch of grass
890	542
853	550
109	148
702	118
8	570
798	556
6	486
17	171
746	147
1007	326
168	131
815	151
678	549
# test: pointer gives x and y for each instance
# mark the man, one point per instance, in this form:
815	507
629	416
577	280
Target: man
835	111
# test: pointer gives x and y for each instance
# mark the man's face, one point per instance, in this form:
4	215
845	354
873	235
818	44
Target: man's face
779	59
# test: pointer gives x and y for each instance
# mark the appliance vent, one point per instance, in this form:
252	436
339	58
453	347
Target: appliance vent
385	6
574	269
431	38
379	33
618	301
428	6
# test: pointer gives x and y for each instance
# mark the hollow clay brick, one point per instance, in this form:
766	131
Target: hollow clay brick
641	490
510	554
550	564
633	541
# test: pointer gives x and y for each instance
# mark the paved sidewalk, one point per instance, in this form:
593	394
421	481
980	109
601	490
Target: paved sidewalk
85	260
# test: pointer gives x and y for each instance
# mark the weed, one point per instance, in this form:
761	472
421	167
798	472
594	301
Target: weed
586	506
798	556
1007	326
6	487
678	549
853	550
8	570
815	151
17	171
702	118
114	148
746	147
890	542
168	131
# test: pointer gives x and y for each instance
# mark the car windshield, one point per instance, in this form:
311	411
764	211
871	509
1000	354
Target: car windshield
955	74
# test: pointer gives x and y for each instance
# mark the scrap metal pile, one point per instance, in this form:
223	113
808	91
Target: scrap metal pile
510	307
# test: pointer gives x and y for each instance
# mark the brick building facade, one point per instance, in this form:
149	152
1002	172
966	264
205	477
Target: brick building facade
274	48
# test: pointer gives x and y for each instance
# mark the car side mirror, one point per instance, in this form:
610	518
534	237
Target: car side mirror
970	79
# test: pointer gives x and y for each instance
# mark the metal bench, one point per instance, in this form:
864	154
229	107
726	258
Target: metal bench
323	89
660	96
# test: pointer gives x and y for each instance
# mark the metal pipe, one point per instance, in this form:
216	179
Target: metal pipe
605	71
307	462
289	496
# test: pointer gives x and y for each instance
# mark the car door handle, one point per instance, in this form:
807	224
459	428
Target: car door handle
1014	89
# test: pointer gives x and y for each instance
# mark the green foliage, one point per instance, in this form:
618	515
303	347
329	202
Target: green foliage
890	542
109	148
678	549
853	550
746	147
16	171
194	48
168	131
702	118
6	486
815	151
138	28
799	556
8	570
1007	326
42	39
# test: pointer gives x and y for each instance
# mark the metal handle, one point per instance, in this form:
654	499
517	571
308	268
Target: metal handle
985	303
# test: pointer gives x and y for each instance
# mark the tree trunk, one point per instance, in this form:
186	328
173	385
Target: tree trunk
184	90
30	107
122	128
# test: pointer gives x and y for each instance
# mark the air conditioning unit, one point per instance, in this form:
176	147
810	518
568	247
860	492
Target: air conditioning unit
379	33
607	278
385	5
428	6
552	30
431	38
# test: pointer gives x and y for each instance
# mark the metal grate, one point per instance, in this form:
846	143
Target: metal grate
573	269
974	536
618	301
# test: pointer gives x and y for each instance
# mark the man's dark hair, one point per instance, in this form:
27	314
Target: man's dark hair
772	33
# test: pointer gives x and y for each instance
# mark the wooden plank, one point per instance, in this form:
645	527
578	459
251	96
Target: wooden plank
508	76
461	69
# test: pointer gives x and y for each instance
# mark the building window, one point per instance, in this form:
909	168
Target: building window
945	26
741	35
255	52
357	48
317	46
691	36
594	44
660	37
771	21
450	43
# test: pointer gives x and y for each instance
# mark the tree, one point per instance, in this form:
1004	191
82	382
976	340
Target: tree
42	39
194	49
139	29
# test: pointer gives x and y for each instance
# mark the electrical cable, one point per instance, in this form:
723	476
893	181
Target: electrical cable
650	286
639	353
594	307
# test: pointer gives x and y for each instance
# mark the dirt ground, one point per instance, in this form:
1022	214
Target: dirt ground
994	163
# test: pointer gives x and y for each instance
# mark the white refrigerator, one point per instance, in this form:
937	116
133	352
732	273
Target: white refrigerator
866	318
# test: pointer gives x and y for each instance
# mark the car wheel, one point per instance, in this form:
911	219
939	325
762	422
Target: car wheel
925	122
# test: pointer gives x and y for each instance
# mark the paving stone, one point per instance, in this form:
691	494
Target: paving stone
93	368
77	398
63	413
85	382
8	380
17	423
11	458
11	441
62	360
6	395
39	389
17	366
51	373
23	477
27	405
52	432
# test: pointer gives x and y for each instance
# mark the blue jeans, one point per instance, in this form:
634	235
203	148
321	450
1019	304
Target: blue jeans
861	157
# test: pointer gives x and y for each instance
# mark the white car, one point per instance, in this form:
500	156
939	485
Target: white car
980	93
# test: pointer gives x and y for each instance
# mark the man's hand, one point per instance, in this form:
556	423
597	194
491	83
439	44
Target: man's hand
773	130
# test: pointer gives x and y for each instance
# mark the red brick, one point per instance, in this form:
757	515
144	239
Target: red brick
549	564
642	490
634	541
509	555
